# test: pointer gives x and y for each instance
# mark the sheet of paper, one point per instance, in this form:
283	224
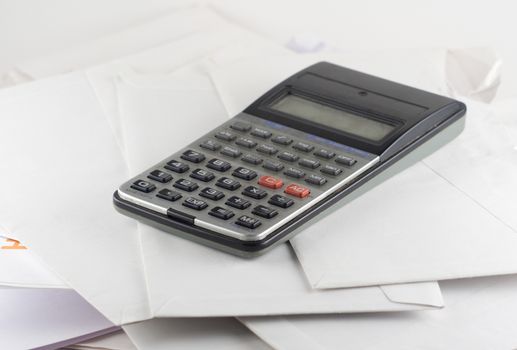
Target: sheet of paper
113	341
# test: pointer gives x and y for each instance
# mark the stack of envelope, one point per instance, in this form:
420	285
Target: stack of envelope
68	141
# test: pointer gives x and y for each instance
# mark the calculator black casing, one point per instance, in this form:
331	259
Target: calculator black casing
425	117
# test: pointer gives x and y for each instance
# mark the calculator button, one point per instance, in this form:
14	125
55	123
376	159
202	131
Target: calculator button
282	140
160	176
244	173
218	164
231	152
324	153
309	163
210	145
265	212
261	133
237	202
244	142
186	185
221	213
271	165
143	186
345	160
293	172
297	191
248	158
248	221
316	180
254	192
270	182
194	203
267	149
290	157
176	166
225	136
168	195
304	147
241	126
229	184
203	175
331	170
193	156
280	201
211	193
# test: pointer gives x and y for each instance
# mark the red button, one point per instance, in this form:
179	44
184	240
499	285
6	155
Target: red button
270	181
297	191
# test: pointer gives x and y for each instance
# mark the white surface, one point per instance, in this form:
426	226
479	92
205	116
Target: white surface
114	341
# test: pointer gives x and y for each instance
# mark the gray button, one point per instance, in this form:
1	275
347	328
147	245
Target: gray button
194	203
210	145
316	180
248	158
304	147
290	157
331	170
225	135
231	152
345	160
248	221
241	126
143	186
266	149
229	184
271	165
309	163
282	140
324	153
244	142
293	172
261	133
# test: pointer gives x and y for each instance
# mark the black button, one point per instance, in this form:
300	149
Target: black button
219	165
241	126
202	175
281	201
345	160
266	149
186	185
265	212
231	152
210	145
244	142
237	202
193	156
160	176
248	158
176	166
254	192
225	135
168	195
248	221
282	140
304	147
290	157
143	186
211	193
316	180
324	153
293	172
261	133
331	170
229	184
221	213
271	165
309	163
244	173
194	203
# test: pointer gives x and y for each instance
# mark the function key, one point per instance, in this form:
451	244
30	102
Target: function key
297	191
345	160
210	145
176	166
281	201
237	202
266	149
186	185
143	186
265	212
160	176
227	183
245	142
324	153
261	133
241	126
290	157
274	166
218	164
194	203
304	147
168	195
293	172
231	152
244	173
254	192
309	163
221	213
193	156
316	180
270	182
211	193
203	175
248	221
331	170
225	136
251	159
282	140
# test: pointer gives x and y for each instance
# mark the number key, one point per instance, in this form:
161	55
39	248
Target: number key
228	183
143	186
211	193
244	173
160	176
193	156
176	166
203	175
218	164
186	185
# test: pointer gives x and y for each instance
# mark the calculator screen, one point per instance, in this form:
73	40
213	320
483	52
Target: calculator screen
334	118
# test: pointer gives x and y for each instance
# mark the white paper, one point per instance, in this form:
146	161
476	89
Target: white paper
113	341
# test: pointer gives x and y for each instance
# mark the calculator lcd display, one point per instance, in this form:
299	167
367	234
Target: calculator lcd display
332	117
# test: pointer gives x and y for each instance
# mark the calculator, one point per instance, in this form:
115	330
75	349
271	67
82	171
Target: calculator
302	147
